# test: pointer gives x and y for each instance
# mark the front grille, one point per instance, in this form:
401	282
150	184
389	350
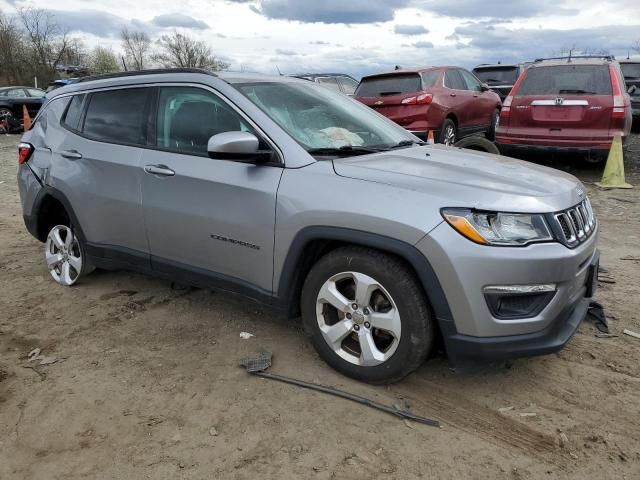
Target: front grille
576	224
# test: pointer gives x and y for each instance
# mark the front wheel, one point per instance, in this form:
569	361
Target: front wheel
367	315
448	133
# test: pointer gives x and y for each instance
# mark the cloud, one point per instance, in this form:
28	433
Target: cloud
178	20
331	11
99	23
318	42
502	9
286	53
410	29
423	45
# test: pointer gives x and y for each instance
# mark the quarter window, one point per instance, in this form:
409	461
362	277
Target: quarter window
117	116
348	85
330	82
74	112
189	116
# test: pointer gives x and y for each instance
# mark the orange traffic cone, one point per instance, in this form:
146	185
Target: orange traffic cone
430	140
26	119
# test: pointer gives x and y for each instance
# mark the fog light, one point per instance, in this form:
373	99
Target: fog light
510	302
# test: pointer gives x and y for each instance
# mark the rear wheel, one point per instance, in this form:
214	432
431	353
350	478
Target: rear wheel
495	122
366	315
65	256
448	133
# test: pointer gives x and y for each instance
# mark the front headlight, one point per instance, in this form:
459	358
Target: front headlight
495	228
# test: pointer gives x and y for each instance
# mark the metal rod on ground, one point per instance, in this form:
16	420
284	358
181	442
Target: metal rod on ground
349	396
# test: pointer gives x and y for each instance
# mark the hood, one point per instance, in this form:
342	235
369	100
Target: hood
455	177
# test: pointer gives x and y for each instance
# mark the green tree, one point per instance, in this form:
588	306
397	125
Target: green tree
103	60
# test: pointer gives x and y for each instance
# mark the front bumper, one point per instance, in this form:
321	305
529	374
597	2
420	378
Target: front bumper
464	268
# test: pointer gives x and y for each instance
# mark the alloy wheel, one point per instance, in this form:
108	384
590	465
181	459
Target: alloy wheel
358	318
450	135
63	255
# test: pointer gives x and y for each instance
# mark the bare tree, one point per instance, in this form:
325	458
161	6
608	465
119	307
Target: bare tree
180	50
103	60
46	41
136	45
12	51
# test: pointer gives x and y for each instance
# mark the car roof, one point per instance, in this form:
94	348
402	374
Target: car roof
316	75
577	60
401	71
166	75
498	65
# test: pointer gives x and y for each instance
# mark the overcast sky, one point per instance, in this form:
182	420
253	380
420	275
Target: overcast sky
360	36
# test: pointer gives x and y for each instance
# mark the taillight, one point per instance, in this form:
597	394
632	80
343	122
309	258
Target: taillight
24	152
422	99
619	106
506	105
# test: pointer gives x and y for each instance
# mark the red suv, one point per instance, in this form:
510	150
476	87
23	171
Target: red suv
573	104
450	101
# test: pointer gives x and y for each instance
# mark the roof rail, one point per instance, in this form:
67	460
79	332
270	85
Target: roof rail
152	71
571	57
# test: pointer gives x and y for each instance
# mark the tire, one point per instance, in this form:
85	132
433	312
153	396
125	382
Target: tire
393	300
65	256
481	144
495	121
448	132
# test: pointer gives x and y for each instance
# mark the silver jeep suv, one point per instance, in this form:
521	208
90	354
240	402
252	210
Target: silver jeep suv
301	198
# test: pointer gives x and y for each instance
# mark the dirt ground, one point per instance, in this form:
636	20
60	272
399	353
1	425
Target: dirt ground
147	384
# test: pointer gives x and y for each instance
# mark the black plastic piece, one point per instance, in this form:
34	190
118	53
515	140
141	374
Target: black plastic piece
152	71
512	306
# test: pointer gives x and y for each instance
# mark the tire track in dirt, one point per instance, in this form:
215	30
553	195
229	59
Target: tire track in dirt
454	410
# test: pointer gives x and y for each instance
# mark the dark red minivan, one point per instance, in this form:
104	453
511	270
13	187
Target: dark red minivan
574	104
450	101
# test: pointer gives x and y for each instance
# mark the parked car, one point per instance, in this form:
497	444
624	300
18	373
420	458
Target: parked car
567	104
12	99
302	198
61	83
337	81
500	77
631	72
450	101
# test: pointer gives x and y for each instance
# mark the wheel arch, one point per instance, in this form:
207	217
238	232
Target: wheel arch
46	207
453	117
313	242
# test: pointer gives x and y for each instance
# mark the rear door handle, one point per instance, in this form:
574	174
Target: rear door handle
452	95
71	154
162	170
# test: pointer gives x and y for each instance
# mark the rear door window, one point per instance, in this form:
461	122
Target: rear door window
389	85
471	81
34	92
567	80
117	116
453	80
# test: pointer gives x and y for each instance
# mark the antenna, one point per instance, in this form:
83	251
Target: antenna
279	72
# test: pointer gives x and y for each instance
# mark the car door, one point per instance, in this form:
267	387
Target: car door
482	106
459	98
96	164
210	219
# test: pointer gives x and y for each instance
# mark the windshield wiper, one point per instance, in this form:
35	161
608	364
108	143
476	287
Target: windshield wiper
407	143
577	91
345	151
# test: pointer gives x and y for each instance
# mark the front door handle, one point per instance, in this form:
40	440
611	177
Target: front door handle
452	95
159	170
71	154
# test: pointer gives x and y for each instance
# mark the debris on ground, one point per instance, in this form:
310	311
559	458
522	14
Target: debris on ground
563	440
528	414
630	258
213	432
631	333
258	364
35	355
246	335
506	409
596	314
605	335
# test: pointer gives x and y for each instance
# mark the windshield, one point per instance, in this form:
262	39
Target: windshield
567	79
318	118
631	71
497	75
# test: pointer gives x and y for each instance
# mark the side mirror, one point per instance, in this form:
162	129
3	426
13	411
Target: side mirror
484	87
237	146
